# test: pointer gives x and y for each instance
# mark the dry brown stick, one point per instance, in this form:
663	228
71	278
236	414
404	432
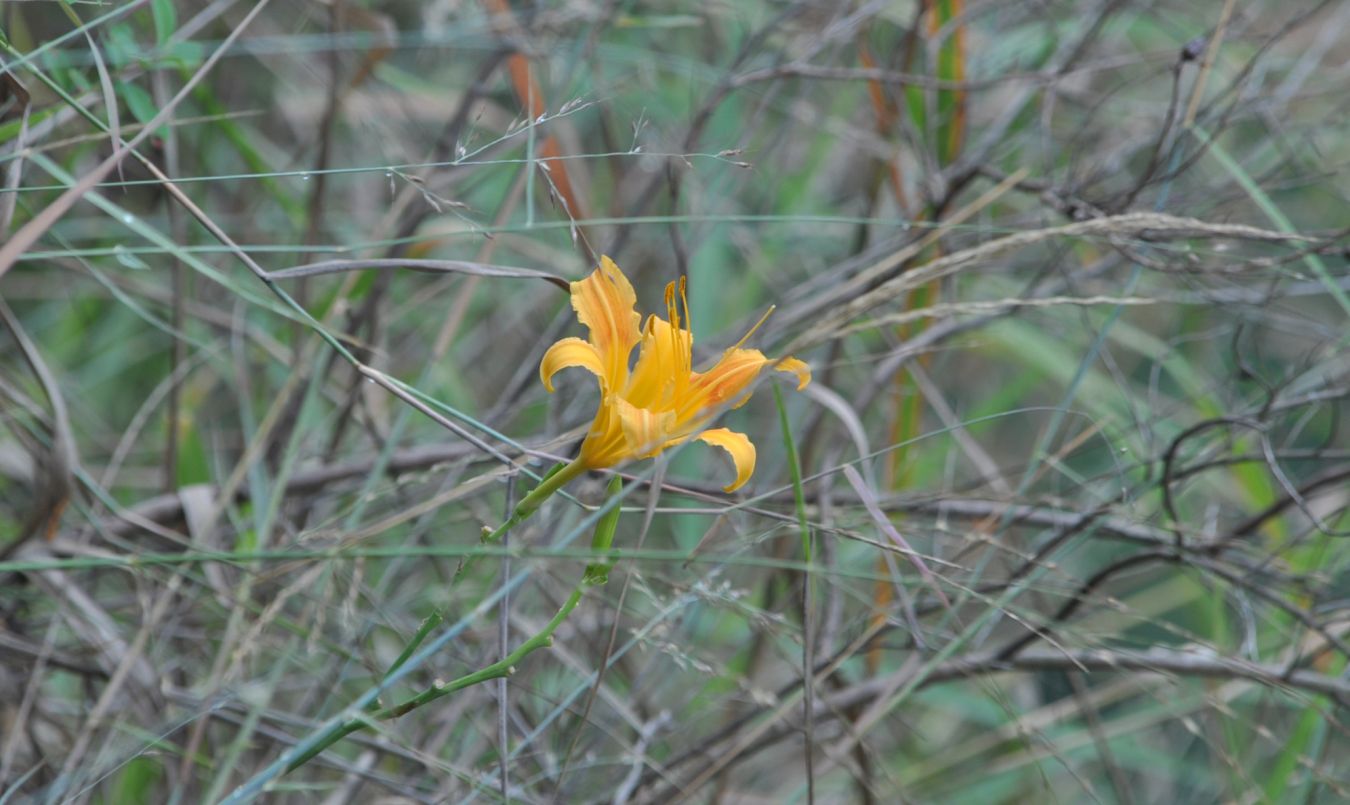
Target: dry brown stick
475	269
130	659
888	266
262	274
31	692
1162	661
29	233
1157	661
9	196
1207	64
1135	224
156	511
54	467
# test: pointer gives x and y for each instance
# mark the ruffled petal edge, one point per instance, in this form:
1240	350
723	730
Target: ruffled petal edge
605	303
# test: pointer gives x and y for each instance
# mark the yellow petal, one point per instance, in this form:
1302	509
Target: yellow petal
570	352
796	367
604	302
645	432
657	377
724	384
739	447
604	445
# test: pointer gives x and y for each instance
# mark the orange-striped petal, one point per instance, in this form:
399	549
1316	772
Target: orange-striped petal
727	383
645	432
604	302
570	352
739	447
724	384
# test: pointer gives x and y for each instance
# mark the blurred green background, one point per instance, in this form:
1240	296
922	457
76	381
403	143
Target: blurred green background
1069	526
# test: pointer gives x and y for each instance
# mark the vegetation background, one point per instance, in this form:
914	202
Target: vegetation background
1073	503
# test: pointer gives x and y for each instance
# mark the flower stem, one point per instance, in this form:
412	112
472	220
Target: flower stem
504	667
552	482
595	574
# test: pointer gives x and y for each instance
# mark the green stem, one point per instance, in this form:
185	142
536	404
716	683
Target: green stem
428	623
527	506
595	574
598	572
505	667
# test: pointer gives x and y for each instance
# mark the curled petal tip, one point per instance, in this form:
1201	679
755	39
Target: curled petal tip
566	353
796	367
739	447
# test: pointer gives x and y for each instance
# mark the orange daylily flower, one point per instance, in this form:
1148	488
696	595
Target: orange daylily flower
661	401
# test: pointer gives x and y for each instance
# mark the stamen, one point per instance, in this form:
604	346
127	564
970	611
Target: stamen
674	315
684	298
684	353
671	312
761	321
